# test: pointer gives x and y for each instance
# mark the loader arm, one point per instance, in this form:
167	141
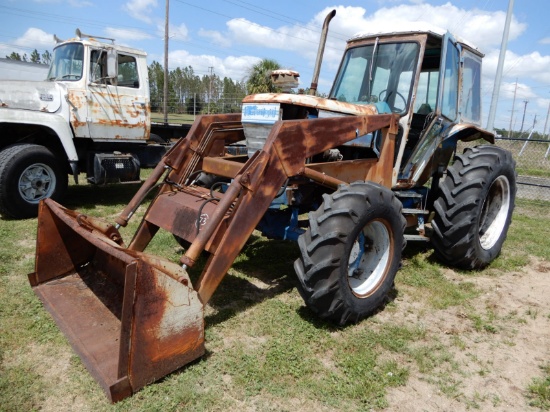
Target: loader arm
253	189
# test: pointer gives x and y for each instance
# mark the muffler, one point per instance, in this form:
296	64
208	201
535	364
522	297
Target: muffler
131	317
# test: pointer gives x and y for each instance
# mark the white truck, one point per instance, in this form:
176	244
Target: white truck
91	115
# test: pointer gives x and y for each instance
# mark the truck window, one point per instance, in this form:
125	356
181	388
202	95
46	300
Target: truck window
382	76
67	62
127	71
98	67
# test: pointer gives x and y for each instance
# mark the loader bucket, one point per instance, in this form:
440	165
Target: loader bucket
131	317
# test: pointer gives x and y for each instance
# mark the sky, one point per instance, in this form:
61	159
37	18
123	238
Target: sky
227	37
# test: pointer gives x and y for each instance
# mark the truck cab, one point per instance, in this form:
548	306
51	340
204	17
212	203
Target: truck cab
92	114
107	89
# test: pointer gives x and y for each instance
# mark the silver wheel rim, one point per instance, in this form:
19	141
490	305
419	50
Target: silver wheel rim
36	182
494	213
369	258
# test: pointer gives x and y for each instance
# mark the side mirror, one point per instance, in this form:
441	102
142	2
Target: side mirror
111	64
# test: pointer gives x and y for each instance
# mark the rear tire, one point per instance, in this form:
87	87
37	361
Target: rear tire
474	208
28	174
351	252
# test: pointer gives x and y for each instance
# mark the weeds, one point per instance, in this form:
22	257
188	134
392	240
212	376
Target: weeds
539	390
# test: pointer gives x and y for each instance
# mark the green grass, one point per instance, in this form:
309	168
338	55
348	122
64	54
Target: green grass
539	390
173	118
265	349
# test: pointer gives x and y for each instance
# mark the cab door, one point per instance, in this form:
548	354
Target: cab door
420	166
447	102
118	106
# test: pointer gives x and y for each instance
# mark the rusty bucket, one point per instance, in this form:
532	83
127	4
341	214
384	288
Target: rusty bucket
131	317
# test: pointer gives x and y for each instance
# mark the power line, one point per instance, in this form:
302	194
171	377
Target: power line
285	18
249	23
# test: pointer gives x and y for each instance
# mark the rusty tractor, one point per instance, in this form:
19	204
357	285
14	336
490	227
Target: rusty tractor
374	165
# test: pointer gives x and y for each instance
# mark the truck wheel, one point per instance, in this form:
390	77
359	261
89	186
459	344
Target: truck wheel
351	252
155	138
474	208
28	173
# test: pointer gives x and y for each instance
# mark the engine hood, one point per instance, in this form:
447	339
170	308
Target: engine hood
318	103
37	96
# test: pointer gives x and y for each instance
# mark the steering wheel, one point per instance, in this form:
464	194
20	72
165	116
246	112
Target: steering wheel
393	108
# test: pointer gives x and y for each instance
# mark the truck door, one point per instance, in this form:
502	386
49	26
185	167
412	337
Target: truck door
118	107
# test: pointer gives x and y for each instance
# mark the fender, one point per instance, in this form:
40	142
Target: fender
439	144
468	132
54	122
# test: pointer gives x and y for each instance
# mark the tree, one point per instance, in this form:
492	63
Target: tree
259	77
46	57
14	56
156	82
35	56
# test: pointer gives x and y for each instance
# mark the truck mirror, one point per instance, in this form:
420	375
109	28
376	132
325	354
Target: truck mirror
111	64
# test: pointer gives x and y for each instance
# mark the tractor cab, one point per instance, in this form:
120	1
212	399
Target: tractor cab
431	79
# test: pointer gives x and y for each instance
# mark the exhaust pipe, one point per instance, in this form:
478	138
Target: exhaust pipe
320	52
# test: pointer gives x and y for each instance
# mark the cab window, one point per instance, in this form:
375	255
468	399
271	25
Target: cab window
127	71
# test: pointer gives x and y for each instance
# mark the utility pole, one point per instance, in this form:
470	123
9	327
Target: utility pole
546	122
523	119
513	105
165	106
211	68
498	76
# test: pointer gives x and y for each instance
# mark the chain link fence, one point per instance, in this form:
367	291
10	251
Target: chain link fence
532	164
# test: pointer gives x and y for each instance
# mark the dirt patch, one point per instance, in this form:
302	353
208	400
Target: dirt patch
493	347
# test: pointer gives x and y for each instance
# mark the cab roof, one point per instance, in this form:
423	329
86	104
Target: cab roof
96	43
416	28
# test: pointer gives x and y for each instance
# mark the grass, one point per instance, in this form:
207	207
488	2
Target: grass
539	390
265	349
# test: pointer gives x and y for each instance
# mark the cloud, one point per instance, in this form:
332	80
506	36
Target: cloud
126	34
36	39
234	67
528	66
545	40
216	37
80	3
32	39
178	33
140	9
72	3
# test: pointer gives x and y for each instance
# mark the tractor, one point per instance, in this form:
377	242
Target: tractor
351	177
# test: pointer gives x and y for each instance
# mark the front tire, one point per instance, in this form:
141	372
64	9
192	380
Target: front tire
351	252
474	208
28	174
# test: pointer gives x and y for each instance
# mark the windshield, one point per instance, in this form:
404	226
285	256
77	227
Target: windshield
381	75
67	62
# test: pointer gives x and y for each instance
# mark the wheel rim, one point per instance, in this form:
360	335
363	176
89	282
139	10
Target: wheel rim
37	182
494	213
369	258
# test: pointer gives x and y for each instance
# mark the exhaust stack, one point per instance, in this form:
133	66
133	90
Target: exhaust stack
320	52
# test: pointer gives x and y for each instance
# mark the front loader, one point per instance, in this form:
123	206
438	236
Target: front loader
369	164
